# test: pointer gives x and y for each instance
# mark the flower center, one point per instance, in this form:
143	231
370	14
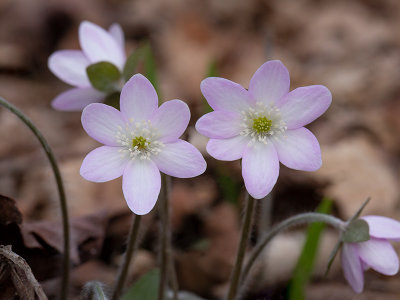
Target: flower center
139	140
262	123
140	143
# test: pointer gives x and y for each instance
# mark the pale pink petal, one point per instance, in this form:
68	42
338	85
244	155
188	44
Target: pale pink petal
382	227
118	34
139	99
180	159
103	164
223	94
227	149
141	185
352	268
99	45
77	99
298	149
303	105
103	122
70	67
379	255
270	82
260	169
364	266
171	120
220	124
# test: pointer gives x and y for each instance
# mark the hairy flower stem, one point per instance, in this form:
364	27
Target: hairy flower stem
166	261
244	238
304	218
60	188
123	271
172	272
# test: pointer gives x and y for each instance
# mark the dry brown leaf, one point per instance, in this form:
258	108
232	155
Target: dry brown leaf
25	284
87	234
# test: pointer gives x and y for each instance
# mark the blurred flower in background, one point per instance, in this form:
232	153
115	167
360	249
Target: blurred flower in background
98	45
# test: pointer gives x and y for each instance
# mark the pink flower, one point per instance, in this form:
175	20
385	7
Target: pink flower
263	125
70	65
376	253
140	141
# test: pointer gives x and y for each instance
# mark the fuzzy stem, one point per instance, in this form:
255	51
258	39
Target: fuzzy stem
123	271
246	229
174	280
304	218
60	188
171	270
164	228
167	269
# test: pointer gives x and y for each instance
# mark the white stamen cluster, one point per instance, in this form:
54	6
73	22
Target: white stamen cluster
139	140
262	122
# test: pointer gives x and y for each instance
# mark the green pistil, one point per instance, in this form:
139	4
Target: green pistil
139	142
262	125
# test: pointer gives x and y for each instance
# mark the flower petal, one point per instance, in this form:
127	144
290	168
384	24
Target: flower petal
227	149
103	164
141	185
220	124
298	149
260	169
223	94
118	34
180	159
70	67
77	99
303	105
270	82
139	99
171	120
382	227
352	268
379	255
99	45
102	122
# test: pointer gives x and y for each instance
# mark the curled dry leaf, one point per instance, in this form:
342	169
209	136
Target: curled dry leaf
24	283
41	243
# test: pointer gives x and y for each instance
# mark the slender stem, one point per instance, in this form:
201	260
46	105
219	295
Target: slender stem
60	188
171	270
304	218
265	217
174	279
164	228
246	228
123	271
167	267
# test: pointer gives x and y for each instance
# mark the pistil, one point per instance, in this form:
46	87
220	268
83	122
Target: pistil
139	140
262	123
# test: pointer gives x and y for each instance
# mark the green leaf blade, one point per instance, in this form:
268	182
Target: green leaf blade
104	76
305	263
146	288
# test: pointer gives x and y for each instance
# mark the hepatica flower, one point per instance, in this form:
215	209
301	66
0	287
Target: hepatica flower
139	141
263	125
70	65
376	253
